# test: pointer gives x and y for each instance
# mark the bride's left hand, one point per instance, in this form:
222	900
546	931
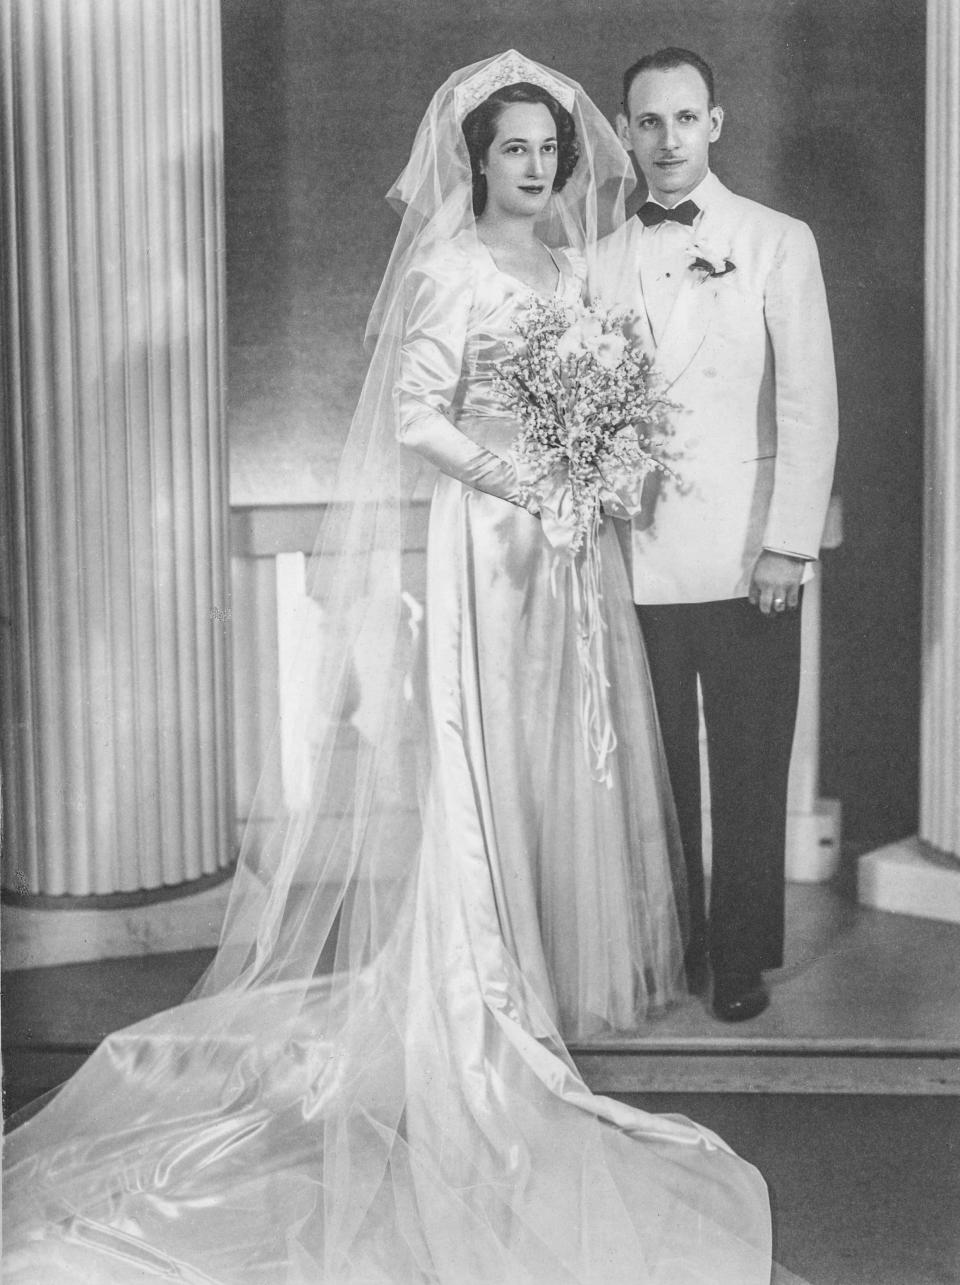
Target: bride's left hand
558	517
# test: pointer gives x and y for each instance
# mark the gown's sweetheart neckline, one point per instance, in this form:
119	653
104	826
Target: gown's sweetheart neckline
546	298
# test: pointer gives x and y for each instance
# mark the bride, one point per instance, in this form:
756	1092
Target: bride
370	1084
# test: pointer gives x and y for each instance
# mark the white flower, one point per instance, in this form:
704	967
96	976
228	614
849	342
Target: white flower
609	351
583	336
586	335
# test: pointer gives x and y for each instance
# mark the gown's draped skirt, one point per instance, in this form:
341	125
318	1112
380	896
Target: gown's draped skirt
579	870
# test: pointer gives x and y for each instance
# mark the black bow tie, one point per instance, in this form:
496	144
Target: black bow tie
650	214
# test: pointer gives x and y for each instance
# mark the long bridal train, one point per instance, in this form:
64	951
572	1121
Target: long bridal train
423	1124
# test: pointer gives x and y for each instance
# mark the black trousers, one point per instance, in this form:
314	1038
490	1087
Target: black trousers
749	670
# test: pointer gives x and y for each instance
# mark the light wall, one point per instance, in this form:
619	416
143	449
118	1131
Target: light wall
824	103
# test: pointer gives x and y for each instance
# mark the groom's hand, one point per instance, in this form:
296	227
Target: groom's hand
775	584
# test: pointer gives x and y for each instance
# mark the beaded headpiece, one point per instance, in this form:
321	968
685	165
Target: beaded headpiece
509	69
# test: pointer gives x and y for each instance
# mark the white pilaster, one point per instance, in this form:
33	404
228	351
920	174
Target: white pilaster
812	848
813	833
922	875
115	648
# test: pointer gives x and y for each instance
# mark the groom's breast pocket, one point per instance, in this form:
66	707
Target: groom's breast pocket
736	342
738	318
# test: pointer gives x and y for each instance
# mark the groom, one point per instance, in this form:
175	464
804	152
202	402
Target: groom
731	306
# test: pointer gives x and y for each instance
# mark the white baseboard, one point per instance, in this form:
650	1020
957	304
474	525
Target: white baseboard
910	878
34	938
813	843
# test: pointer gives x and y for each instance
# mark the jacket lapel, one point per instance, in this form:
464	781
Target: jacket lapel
644	326
633	252
695	304
686	327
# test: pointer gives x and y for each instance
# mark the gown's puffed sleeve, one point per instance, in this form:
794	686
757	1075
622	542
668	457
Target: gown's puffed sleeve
439	292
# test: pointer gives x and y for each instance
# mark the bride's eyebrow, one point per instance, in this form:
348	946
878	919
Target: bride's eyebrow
505	142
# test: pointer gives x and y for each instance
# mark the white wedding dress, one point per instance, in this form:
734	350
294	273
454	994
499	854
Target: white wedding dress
575	871
414	1118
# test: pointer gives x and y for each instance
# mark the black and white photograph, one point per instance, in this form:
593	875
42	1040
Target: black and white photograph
480	642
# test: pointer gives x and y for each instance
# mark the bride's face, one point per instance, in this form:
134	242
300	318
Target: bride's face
521	162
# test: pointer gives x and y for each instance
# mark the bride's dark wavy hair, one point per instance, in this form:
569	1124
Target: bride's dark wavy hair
480	127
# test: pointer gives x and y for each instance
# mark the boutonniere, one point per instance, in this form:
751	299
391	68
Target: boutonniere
709	261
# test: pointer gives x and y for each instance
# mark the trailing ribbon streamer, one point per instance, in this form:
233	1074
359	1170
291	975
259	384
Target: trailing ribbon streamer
585	571
599	738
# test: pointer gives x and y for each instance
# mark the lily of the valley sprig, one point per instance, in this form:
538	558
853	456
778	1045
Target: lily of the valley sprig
709	261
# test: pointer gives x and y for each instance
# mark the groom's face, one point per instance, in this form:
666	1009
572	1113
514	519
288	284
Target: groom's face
669	126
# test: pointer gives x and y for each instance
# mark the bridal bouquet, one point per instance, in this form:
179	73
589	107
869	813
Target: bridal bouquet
591	431
591	422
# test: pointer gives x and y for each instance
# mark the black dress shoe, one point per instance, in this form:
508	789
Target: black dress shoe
739	996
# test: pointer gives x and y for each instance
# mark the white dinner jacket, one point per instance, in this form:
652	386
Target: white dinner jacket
748	360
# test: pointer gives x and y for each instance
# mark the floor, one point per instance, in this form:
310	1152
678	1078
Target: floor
846	1093
867	1002
865	1190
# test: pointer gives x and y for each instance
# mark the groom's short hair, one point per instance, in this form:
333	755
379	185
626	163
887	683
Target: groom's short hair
666	60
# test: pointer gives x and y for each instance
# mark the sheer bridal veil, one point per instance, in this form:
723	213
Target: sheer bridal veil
361	1089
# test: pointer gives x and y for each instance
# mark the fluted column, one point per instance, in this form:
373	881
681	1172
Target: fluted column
116	739
923	876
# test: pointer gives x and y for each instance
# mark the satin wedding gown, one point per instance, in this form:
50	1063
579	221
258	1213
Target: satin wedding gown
420	1121
579	869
